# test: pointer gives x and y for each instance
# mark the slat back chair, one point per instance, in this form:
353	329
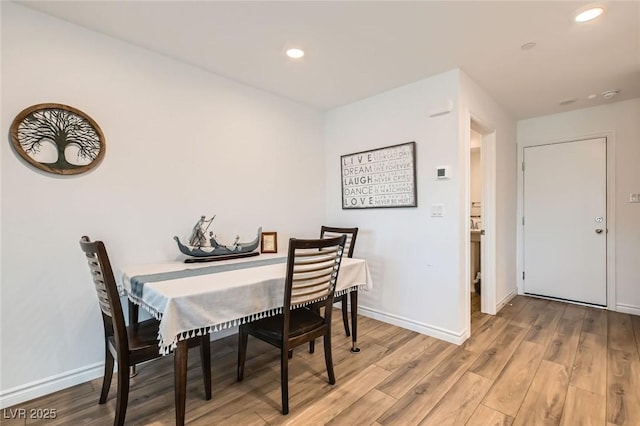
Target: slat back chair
312	273
126	345
349	247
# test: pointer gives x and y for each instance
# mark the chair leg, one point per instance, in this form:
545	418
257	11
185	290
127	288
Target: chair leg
133	319
243	337
123	394
312	343
108	374
328	359
205	359
345	316
284	379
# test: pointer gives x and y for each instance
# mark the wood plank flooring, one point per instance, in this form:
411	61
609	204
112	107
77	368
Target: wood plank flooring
537	362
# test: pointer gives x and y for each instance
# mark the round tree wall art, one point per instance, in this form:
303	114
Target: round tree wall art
58	139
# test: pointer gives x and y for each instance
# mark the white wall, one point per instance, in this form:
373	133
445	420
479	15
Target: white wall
620	122
413	257
420	264
180	143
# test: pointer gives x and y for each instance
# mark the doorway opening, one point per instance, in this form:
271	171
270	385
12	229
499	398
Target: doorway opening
481	220
475	220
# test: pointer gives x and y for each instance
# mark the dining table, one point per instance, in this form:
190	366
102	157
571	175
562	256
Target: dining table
195	299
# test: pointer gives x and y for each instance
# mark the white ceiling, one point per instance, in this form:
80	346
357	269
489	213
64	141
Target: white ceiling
362	48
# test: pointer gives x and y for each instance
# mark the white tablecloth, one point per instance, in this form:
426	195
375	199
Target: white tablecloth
191	306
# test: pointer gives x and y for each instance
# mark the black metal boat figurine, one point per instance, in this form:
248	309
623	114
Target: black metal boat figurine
201	247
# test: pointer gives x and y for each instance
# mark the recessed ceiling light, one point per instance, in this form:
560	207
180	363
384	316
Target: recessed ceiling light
295	53
568	101
528	46
589	14
592	96
610	94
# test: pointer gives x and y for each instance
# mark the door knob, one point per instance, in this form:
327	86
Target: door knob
598	231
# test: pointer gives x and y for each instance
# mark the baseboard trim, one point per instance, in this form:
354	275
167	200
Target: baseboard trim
501	304
429	330
628	309
57	382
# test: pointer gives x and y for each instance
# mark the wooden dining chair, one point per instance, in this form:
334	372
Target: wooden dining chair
350	244
127	345
312	272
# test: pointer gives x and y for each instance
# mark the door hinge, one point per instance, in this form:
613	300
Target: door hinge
523	275
523	166
522	220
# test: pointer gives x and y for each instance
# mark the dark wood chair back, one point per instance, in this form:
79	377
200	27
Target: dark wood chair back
349	247
351	233
107	291
312	271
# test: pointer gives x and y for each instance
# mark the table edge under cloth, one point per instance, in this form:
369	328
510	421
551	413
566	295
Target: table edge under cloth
208	301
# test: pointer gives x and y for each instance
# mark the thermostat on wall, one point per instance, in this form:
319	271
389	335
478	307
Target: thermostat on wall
442	172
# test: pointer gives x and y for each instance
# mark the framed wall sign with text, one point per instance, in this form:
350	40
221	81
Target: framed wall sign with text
384	177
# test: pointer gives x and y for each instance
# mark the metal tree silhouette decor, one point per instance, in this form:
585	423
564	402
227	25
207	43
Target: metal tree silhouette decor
58	139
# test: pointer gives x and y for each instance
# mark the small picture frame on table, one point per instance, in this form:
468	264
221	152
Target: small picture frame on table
269	242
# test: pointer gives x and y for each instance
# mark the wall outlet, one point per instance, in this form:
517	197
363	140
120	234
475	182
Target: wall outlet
634	198
437	210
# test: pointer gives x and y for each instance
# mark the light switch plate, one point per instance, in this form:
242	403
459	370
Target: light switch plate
634	198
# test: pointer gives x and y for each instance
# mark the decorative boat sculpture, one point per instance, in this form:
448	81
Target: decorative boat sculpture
201	249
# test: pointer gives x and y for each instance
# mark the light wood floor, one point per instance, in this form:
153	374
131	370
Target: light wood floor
538	362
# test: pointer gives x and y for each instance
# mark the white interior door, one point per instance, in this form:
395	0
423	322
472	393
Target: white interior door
565	224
